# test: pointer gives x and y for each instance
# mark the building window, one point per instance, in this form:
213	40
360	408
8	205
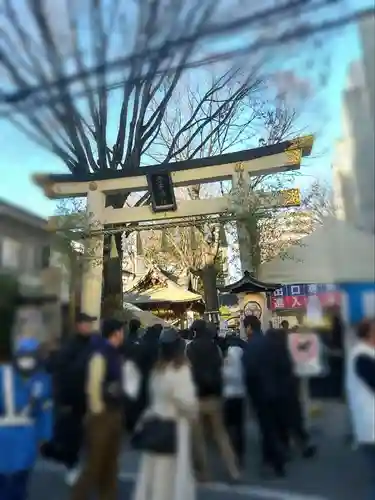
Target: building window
30	258
46	256
11	253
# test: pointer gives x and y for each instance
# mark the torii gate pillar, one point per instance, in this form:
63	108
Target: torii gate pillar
92	276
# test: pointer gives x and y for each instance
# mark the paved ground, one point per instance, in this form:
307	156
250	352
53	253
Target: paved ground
335	474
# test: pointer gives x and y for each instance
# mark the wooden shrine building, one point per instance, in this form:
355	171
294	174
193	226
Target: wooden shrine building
159	292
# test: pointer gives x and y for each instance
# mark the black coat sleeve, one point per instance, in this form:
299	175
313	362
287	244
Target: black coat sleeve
365	369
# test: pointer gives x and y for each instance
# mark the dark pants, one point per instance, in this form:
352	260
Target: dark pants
234	418
66	444
211	412
103	439
272	420
14	487
369	453
295	425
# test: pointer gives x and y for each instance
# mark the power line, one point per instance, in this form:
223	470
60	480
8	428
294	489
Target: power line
301	32
210	31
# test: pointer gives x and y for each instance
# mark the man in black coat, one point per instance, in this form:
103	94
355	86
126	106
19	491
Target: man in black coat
130	346
291	425
206	362
265	379
68	369
147	359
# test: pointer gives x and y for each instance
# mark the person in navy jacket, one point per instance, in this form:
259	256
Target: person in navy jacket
103	422
26	419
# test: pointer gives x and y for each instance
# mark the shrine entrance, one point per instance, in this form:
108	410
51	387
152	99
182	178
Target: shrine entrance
160	181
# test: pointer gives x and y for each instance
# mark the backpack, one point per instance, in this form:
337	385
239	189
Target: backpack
206	362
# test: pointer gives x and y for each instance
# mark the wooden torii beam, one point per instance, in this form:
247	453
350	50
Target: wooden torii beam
275	158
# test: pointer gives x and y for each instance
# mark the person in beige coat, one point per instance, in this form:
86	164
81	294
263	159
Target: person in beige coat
172	395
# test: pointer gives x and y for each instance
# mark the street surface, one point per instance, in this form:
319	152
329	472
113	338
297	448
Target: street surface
334	474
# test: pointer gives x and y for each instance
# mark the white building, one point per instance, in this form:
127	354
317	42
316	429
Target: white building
353	165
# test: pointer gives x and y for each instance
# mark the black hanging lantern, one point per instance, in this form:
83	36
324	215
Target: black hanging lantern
161	188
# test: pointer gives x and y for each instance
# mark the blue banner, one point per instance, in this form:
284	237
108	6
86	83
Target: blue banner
304	290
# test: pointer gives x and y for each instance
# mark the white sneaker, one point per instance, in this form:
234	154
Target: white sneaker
72	476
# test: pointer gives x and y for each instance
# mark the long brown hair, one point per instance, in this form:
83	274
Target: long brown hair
171	355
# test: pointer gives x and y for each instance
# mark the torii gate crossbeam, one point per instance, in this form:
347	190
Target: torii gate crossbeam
96	186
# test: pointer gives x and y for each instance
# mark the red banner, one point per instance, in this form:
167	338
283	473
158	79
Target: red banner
300	301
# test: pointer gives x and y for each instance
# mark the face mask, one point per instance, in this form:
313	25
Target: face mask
26	364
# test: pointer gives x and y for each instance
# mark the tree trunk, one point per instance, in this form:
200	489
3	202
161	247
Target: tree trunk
72	310
112	267
209	275
8	294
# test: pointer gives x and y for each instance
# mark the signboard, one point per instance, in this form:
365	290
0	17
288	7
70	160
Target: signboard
162	192
252	308
212	317
306	352
359	301
297	296
368	300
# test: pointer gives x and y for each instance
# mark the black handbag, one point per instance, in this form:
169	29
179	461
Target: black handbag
156	435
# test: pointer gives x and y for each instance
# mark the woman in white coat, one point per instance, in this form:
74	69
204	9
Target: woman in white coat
172	395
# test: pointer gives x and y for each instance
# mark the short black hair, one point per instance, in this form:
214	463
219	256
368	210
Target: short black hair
363	329
285	323
185	334
199	326
85	318
212	328
253	322
111	326
157	327
134	325
154	330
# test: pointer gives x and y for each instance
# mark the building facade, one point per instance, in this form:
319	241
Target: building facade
353	165
24	244
26	254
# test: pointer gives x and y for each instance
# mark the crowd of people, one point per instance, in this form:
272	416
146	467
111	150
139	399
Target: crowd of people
167	393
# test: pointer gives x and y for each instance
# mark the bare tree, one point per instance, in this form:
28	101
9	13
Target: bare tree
91	129
270	232
79	131
74	245
318	201
249	118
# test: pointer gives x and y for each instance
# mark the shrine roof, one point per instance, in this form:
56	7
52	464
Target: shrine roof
248	283
304	143
154	287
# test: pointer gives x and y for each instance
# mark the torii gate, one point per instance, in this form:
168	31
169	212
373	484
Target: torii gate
160	181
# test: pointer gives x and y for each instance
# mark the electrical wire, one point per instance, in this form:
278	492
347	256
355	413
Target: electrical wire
302	32
209	31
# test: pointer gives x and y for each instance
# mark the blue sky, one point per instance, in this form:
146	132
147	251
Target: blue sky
20	158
